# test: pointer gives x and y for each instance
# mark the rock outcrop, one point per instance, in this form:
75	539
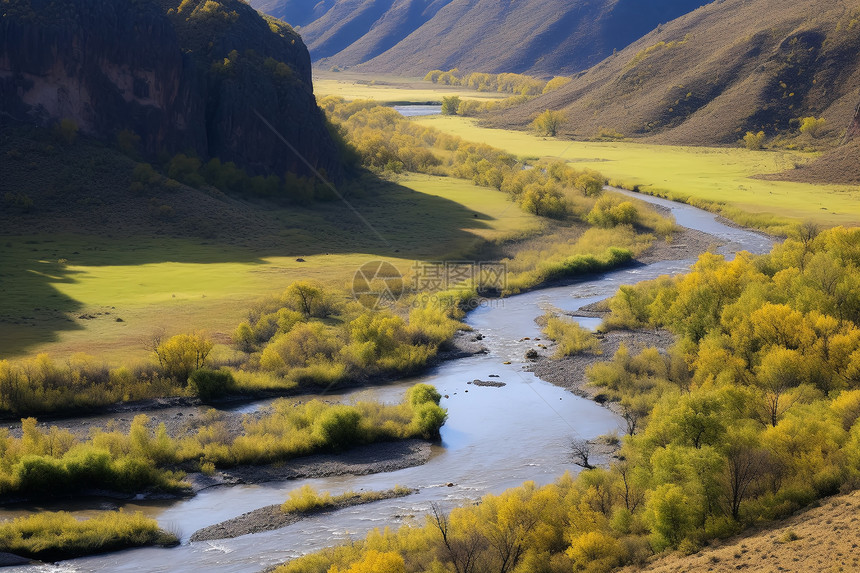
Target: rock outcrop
180	77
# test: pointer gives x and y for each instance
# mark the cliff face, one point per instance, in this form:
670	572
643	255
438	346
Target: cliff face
183	77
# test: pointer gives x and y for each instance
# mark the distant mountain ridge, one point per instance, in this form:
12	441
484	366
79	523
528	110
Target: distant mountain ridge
411	37
711	75
180	77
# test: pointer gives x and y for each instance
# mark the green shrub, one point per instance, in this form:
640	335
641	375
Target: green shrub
570	337
754	141
422	394
38	474
427	421
185	169
338	427
450	105
610	212
50	536
211	384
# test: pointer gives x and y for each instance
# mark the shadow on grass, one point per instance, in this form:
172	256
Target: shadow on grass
98	223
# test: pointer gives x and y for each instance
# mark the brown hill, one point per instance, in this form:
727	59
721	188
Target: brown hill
819	539
711	75
412	37
296	12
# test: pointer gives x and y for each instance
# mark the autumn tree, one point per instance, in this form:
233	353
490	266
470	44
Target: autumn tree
180	355
450	105
549	122
754	141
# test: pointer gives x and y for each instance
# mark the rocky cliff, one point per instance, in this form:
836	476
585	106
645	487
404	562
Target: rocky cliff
187	76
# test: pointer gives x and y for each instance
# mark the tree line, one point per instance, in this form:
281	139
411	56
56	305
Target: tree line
750	416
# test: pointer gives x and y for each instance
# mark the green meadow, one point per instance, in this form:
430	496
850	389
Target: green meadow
391	89
105	297
717	175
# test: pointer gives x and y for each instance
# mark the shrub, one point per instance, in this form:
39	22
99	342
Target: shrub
423	394
427	420
305	499
609	212
310	299
185	169
469	107
50	536
144	173
450	105
182	354
304	345
211	384
67	130
338	427
754	141
20	201
570	337
128	142
812	126
557	82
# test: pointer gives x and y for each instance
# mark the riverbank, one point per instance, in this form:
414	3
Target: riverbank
363	460
486	426
274	517
184	415
570	372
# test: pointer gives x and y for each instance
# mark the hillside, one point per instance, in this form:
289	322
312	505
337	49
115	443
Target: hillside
709	76
412	37
818	539
296	12
165	78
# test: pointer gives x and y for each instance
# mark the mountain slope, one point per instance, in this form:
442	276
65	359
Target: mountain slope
296	12
179	77
711	75
546	37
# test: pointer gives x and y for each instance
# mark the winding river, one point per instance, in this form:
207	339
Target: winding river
495	438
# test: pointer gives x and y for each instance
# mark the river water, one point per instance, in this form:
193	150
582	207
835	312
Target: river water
494	439
413	110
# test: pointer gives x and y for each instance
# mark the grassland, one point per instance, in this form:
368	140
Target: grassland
104	296
104	293
723	176
391	89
